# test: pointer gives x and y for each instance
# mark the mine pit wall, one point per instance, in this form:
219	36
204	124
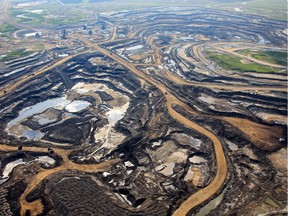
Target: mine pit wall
7	157
37	93
271	104
131	148
258	29
103	201
235	159
29	64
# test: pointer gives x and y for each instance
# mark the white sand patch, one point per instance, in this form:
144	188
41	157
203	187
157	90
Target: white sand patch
119	99
45	160
156	144
105	174
166	169
29	4
44	120
117	113
114	111
207	99
238	9
189	176
178	156
122	87
37	11
107	136
247	151
56	86
102	134
184	139
9	168
231	145
77	106
128	164
197	160
129	172
134	47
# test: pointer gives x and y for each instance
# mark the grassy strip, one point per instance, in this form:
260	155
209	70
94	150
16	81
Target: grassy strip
271	202
274	57
54	14
4	35
276	9
38	47
6	27
229	62
16	54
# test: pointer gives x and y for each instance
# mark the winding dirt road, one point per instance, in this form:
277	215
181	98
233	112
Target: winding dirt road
36	207
198	51
157	56
180	81
204	194
16	83
249	58
216	184
199	197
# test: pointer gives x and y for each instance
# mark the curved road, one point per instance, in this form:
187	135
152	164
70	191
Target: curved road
249	58
204	194
199	197
23	79
194	200
36	207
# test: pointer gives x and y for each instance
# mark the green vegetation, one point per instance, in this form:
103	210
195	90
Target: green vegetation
52	14
276	9
229	62
77	12
6	27
38	47
24	16
59	21
16	54
271	202
4	35
274	57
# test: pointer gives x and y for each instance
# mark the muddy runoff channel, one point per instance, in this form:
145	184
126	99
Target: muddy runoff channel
204	194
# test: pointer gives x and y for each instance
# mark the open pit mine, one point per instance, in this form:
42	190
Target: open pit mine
134	115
